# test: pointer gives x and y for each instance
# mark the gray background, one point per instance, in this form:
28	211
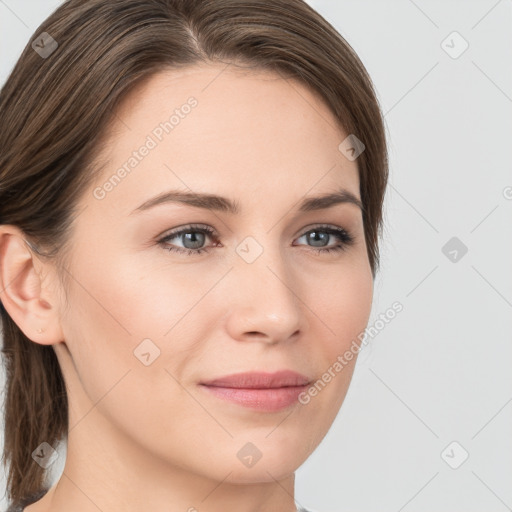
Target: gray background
439	372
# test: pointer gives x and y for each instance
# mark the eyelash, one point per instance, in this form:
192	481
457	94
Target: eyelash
346	239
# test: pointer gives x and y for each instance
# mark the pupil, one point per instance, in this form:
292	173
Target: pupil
315	236
193	238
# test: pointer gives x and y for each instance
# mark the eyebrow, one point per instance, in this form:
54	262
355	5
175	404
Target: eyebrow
223	204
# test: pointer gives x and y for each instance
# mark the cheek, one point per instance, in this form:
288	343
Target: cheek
134	299
125	308
343	312
344	307
155	296
111	313
108	317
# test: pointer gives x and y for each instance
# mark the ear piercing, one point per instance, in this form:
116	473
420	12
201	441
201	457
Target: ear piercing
40	330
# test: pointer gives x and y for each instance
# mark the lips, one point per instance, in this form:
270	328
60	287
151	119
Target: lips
260	380
265	392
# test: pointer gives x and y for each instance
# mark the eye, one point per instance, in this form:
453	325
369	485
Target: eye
192	240
321	234
195	236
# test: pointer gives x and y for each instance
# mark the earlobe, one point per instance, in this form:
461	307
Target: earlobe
22	290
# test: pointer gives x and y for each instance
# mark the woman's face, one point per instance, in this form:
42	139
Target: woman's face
146	326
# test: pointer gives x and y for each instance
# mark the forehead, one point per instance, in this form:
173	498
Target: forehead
224	130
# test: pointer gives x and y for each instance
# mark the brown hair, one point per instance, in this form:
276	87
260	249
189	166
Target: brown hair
55	108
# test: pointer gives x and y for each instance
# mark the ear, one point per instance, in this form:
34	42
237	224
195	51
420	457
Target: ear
27	298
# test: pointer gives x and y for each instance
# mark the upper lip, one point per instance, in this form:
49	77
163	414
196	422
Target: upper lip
260	380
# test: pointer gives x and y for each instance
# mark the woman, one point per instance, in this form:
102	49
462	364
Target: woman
190	204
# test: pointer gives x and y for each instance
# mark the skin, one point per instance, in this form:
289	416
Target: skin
148	437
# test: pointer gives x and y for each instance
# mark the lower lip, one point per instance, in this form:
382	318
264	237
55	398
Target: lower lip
266	400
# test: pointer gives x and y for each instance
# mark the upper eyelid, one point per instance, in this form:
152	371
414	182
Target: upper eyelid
187	227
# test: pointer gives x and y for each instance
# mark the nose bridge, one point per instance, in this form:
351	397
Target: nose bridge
266	301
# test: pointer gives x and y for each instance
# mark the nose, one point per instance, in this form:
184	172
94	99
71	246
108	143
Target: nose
263	304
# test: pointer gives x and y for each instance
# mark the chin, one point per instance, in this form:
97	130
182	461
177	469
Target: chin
259	474
263	460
